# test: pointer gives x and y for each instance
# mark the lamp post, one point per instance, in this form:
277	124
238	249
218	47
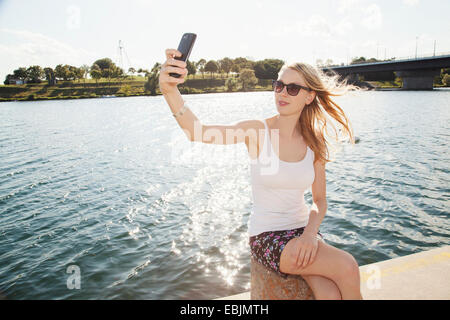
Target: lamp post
377	49
416	45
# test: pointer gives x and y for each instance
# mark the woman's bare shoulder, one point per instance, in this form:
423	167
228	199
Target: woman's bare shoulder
251	124
257	123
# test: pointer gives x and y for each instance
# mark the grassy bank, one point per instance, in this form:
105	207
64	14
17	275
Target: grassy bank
395	85
132	87
70	90
126	88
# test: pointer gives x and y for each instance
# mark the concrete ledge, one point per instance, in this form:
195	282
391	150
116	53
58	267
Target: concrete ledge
419	276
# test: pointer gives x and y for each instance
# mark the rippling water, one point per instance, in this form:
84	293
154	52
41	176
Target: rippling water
113	187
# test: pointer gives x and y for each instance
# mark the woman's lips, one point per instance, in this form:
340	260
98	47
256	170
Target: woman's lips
282	103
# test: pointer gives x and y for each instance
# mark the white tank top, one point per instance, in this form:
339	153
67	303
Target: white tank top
278	189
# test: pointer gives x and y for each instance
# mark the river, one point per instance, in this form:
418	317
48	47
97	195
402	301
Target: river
112	189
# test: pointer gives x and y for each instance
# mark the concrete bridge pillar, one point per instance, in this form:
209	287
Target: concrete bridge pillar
353	77
418	79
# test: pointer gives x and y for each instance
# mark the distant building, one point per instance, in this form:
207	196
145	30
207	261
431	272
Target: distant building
16	81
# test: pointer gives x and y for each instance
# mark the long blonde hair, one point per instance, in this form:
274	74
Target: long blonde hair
315	117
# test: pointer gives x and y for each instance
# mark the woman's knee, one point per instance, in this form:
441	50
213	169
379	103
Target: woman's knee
348	268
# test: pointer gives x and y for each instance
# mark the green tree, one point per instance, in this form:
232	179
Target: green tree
61	72
144	71
35	74
85	69
153	79
211	66
363	60
105	63
268	68
190	66
242	63
20	73
79	72
247	78
73	73
225	65
50	76
8	77
118	73
95	72
236	69
358	60
440	78
231	84
200	65
66	72
446	80
108	68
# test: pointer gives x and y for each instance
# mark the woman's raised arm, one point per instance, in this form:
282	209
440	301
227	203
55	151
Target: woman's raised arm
242	131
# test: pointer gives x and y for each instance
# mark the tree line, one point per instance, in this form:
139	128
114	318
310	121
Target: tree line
244	70
102	68
107	69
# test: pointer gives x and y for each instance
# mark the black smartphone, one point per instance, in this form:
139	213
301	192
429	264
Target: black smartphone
185	47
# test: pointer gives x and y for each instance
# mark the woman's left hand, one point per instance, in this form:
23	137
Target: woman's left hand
306	249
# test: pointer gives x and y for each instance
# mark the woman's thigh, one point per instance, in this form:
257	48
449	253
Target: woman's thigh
329	262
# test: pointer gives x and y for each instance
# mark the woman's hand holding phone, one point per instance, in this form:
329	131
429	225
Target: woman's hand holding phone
167	83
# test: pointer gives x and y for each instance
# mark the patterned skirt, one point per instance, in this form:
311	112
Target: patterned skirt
266	247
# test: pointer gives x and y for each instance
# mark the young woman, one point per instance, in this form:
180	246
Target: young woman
284	232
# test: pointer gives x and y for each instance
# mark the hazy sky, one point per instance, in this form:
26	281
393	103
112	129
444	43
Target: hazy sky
48	33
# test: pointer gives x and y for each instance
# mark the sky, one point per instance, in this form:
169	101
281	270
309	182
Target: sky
48	32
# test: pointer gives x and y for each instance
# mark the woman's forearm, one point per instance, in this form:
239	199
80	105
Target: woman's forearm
316	215
192	128
187	121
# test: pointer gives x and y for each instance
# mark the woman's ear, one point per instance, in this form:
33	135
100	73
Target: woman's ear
311	97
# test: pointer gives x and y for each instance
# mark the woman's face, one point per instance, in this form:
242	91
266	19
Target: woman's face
287	104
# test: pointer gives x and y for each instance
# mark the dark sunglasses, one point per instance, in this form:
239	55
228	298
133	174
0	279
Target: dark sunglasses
292	88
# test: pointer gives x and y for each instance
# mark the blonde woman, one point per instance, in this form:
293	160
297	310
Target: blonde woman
284	231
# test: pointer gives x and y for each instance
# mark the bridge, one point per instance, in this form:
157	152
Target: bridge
417	73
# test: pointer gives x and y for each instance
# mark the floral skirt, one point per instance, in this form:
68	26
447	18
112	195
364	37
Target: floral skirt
266	247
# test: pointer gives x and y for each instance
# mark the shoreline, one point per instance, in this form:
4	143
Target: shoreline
31	96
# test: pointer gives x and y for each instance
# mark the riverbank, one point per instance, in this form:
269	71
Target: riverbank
71	90
85	90
90	89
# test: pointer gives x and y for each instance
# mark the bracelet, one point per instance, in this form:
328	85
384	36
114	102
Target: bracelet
181	111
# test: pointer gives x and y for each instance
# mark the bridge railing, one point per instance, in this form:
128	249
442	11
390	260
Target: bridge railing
428	55
397	59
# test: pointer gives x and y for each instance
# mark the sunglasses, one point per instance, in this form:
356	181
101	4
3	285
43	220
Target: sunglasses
292	88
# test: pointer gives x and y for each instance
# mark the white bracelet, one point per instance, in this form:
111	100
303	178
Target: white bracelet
181	111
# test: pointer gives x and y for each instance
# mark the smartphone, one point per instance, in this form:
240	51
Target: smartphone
185	47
